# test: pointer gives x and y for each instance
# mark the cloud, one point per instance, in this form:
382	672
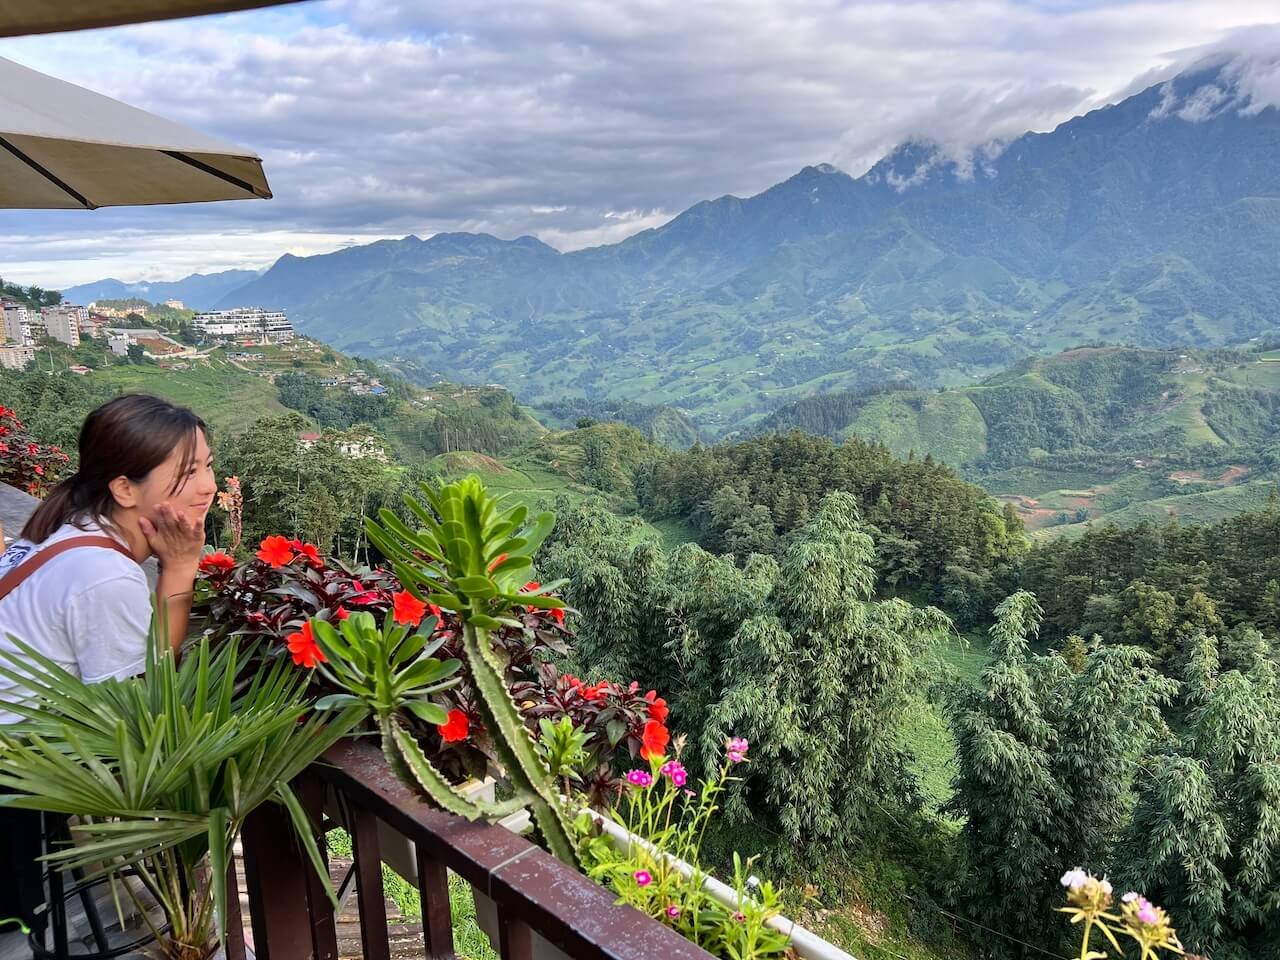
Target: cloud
578	121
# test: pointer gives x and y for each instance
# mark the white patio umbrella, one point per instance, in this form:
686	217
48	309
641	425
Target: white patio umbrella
18	17
62	146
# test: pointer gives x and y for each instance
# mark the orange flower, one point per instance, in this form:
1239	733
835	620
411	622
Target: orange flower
657	706
408	609
308	550
654	741
217	563
275	551
497	560
455	728
306	652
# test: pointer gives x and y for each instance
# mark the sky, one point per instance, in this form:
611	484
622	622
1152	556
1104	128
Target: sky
577	121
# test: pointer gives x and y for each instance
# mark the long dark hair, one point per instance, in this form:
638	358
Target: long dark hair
126	437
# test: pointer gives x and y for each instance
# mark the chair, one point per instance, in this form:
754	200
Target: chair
53	914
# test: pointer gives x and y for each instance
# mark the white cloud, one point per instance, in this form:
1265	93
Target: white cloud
377	118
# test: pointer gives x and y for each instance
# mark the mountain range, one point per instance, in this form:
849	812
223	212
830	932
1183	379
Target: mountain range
1151	222
199	291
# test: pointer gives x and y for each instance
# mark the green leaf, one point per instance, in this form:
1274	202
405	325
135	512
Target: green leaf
427	711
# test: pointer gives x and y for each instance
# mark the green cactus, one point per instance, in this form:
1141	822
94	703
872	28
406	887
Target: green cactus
470	555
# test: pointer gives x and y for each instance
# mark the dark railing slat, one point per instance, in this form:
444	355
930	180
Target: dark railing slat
515	938
437	920
373	900
324	925
235	922
276	877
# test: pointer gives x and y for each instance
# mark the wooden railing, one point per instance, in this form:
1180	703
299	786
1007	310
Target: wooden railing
292	918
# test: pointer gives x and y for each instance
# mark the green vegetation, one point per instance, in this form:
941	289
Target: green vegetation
1085	434
935	533
1156	585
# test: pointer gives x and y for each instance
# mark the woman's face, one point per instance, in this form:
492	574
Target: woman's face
191	493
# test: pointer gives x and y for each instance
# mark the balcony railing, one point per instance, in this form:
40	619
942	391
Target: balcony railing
292	918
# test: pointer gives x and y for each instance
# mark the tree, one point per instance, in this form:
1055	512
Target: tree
136	353
1045	759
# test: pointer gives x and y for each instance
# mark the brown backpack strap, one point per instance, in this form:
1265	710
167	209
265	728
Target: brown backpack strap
29	566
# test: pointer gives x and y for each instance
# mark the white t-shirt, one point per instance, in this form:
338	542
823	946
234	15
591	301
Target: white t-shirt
88	610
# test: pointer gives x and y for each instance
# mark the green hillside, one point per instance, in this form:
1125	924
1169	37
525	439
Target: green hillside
1083	434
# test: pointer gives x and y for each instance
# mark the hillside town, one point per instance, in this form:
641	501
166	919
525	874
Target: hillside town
26	326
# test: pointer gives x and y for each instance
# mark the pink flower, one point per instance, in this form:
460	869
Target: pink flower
643	878
740	916
673	911
736	749
676	771
640	778
1147	912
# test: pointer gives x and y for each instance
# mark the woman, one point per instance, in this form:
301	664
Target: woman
72	586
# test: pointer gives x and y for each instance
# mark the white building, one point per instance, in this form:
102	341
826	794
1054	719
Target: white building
245	322
63	323
15	357
175	304
17	322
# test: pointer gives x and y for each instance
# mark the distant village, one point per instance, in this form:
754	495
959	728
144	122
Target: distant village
25	327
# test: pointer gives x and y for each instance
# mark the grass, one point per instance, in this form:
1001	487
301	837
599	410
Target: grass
469	941
925	732
228	399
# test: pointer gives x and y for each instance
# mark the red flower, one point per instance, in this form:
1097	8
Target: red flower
342	613
497	560
306	652
275	551
408	609
308	550
654	741
217	563
39	470
531	586
657	707
556	614
435	612
366	598
455	728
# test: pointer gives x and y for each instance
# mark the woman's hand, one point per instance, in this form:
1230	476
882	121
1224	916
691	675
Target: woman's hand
174	537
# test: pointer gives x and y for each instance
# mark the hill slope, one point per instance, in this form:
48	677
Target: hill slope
1085	433
1148	222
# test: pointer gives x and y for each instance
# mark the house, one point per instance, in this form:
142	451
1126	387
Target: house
16	356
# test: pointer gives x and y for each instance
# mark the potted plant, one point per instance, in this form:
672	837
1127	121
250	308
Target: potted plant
162	771
25	462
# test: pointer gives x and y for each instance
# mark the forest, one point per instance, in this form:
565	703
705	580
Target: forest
936	534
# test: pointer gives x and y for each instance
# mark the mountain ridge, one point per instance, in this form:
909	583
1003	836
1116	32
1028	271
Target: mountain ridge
1147	222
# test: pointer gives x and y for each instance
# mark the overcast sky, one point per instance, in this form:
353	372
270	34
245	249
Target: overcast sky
577	121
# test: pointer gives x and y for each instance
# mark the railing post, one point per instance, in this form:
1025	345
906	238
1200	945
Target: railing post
437	920
324	928
373	901
514	937
276	875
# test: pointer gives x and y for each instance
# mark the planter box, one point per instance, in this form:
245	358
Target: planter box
806	944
